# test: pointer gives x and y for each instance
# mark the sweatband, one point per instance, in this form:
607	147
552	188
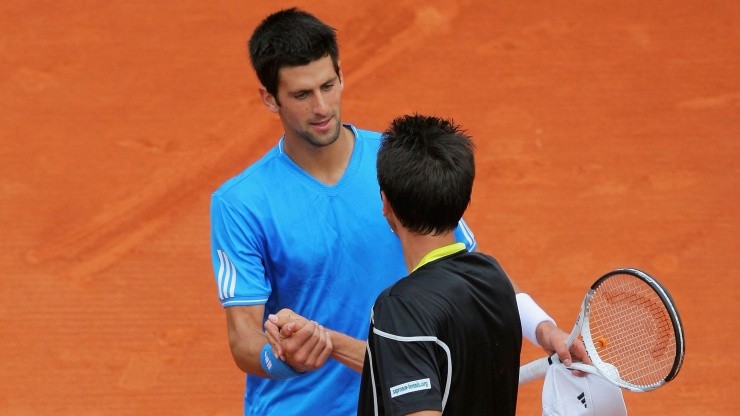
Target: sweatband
275	367
531	315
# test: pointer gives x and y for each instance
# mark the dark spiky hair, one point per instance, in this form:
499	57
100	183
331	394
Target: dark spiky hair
426	168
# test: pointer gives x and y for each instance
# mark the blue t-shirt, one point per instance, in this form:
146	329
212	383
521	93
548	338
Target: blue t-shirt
283	239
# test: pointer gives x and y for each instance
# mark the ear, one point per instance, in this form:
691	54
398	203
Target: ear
341	77
388	213
269	100
386	206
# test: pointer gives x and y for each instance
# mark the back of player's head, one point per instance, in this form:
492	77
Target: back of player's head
426	168
290	37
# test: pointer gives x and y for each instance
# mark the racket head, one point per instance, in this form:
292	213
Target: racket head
632	330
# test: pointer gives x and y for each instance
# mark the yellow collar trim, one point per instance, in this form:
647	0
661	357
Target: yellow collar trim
440	252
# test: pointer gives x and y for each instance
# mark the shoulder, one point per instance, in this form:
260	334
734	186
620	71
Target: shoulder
255	176
397	311
391	299
415	293
476	259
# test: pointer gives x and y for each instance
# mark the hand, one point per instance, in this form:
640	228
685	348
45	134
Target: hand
553	340
272	330
304	345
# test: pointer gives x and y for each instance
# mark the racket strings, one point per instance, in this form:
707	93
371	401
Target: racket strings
632	330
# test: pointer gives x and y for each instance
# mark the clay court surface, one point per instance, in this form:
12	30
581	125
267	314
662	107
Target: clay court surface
607	135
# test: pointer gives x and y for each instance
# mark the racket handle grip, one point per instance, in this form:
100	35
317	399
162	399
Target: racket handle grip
535	369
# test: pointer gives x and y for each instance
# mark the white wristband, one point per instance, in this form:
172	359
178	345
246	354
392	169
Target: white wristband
531	315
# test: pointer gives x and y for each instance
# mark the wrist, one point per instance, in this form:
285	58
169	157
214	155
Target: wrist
531	316
274	366
541	329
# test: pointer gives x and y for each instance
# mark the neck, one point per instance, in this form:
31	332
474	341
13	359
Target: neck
416	246
325	163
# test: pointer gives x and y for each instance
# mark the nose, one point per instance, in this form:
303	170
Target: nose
320	107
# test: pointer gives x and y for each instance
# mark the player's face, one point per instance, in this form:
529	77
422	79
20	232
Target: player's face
310	102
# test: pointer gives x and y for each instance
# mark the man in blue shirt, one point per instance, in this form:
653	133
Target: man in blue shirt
302	229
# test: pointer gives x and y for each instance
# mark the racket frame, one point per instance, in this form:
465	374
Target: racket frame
538	368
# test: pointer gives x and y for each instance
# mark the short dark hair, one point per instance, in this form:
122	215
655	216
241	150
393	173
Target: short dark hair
290	37
426	168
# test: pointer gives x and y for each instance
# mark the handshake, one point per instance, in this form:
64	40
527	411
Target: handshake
302	344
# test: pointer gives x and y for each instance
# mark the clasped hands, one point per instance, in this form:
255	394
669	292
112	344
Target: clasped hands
303	344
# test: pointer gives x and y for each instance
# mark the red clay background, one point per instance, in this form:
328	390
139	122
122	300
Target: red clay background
607	136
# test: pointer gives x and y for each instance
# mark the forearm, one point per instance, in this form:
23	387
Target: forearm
246	352
348	351
246	338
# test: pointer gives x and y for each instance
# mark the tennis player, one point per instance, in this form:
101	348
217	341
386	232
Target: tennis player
447	337
302	228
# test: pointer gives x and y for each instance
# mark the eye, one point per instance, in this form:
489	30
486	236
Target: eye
301	95
327	87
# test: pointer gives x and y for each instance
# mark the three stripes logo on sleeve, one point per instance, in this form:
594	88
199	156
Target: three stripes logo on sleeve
226	276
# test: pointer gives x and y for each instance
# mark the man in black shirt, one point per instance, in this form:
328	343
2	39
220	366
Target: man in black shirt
445	339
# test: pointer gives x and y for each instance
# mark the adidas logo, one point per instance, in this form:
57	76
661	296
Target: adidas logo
582	398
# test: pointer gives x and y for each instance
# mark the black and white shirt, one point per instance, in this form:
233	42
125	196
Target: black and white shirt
447	338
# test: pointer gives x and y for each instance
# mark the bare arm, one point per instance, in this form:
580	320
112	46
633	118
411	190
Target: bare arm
281	329
348	351
246	339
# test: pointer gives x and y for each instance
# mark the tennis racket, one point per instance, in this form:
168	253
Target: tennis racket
631	330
